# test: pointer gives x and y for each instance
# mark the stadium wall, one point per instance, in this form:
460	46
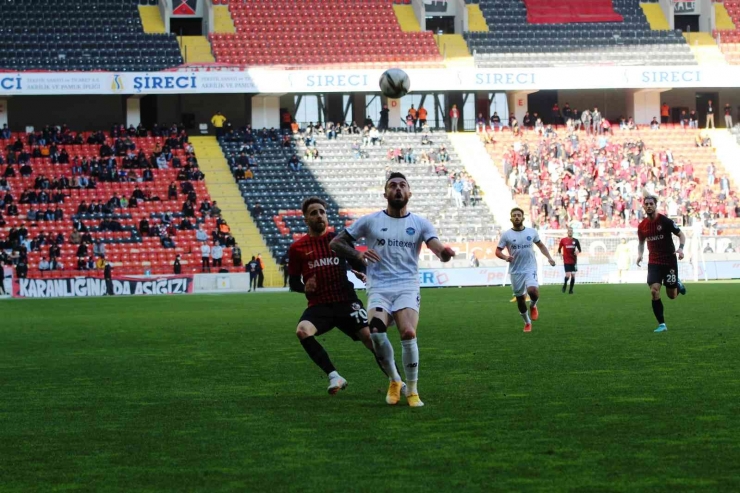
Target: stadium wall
610	102
236	107
77	112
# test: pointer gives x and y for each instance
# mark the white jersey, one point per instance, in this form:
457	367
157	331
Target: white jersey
521	246
398	243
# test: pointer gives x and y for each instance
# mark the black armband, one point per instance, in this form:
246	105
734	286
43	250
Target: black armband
680	247
296	284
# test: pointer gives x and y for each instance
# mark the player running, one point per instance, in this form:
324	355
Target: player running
657	231
523	269
394	237
332	301
567	249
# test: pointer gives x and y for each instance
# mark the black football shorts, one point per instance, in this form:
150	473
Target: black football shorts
350	317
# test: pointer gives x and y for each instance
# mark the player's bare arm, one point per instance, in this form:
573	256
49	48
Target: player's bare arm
443	252
545	252
500	254
682	242
560	248
641	251
343	245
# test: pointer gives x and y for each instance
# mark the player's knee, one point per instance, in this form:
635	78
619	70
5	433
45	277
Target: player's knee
672	294
407	333
655	292
377	325
303	331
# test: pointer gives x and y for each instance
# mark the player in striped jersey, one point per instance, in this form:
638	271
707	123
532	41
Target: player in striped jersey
657	231
314	269
567	248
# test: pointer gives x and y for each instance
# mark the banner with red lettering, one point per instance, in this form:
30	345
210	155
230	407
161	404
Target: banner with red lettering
82	287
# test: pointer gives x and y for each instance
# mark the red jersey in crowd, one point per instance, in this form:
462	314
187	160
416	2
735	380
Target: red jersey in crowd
310	256
658	233
568	247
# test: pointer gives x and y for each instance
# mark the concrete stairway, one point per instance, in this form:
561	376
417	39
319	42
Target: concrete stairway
705	49
454	49
476	21
151	19
222	21
727	151
224	190
723	21
655	16
481	167
195	49
407	18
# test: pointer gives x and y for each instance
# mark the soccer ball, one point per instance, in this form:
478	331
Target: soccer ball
394	83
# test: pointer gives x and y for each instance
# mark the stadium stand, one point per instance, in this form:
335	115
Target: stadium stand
58	184
727	31
566	11
354	174
514	42
353	33
598	180
272	191
81	35
350	175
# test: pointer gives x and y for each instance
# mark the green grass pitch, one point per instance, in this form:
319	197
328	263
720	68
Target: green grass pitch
214	393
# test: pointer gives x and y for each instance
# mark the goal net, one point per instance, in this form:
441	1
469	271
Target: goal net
610	255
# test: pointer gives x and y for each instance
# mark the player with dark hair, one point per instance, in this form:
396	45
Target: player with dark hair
519	241
394	238
315	270
657	230
567	249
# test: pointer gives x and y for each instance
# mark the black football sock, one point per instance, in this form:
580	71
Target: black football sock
658	310
572	282
318	354
565	283
533	299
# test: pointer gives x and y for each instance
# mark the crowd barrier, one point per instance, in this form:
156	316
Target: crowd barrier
80	287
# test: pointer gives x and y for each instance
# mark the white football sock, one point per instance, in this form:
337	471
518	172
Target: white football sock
410	358
525	317
333	374
384	351
533	303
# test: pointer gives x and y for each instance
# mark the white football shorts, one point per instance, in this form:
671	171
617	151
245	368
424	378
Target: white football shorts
520	283
392	301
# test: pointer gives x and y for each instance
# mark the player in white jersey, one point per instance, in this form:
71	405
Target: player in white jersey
519	242
394	238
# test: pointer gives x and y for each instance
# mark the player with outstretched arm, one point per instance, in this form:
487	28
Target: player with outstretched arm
394	238
518	241
657	230
314	269
567	249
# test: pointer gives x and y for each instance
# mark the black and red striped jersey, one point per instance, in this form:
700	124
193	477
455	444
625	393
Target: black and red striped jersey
658	233
310	256
568	246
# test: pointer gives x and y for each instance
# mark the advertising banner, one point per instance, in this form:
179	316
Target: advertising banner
81	287
215	79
